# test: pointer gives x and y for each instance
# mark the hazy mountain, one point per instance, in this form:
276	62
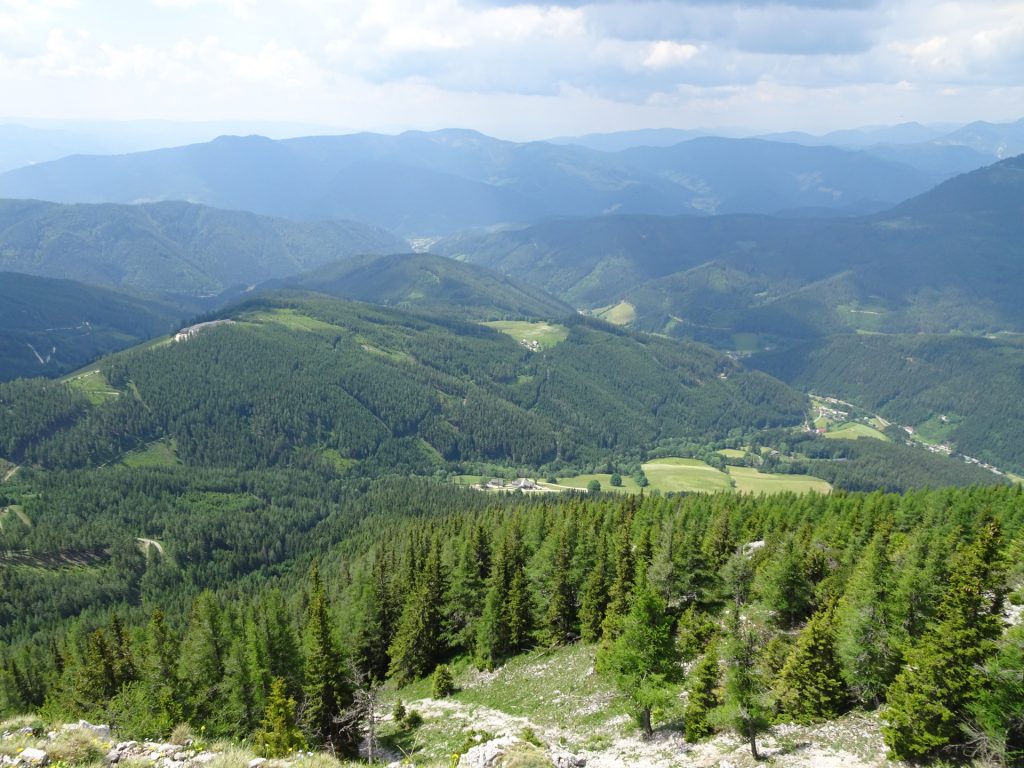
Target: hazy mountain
428	282
903	133
949	259
645	137
49	327
30	142
171	247
432	183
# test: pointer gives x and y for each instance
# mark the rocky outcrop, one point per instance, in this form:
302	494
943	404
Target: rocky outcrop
508	750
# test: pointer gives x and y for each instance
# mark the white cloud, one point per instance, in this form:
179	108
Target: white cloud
666	53
478	63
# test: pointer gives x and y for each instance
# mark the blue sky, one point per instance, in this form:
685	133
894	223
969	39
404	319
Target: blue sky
516	70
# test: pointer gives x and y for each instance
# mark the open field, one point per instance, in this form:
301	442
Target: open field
854	431
159	454
749	480
289	318
580	481
674	474
545	334
93	385
622	313
732	453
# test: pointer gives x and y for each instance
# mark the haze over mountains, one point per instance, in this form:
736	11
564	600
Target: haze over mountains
436	183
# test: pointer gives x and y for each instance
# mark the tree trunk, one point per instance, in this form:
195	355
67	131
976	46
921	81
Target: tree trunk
753	741
645	722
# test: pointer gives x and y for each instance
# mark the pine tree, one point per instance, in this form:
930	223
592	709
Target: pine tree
810	687
944	675
419	639
467	590
702	695
327	690
642	659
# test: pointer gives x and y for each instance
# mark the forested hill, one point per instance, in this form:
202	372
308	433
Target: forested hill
49	327
172	247
313	380
964	391
697	616
426	282
949	260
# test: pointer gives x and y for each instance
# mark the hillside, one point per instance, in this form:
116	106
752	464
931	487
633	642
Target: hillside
426	282
410	575
947	260
966	392
306	380
436	183
171	247
49	327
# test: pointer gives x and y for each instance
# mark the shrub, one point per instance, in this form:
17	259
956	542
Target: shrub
443	685
75	746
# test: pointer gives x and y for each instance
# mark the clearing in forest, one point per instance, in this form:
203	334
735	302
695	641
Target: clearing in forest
749	480
852	430
622	313
546	335
675	474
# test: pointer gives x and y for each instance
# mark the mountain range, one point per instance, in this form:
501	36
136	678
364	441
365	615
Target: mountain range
428	184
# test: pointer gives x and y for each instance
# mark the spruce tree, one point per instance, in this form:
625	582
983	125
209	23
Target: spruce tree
327	690
594	600
560	616
377	625
201	660
943	679
625	575
506	623
642	659
702	696
786	590
419	640
279	735
810	688
999	711
866	643
745	707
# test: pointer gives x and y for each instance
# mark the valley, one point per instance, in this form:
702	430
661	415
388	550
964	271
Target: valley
436	446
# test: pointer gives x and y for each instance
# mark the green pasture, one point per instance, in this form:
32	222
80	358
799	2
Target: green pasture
749	480
545	334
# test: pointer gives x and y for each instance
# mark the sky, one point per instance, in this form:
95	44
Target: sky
516	70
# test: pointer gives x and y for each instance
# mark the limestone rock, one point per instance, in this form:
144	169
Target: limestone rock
33	756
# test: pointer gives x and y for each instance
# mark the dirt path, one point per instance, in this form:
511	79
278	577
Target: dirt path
10	473
147	543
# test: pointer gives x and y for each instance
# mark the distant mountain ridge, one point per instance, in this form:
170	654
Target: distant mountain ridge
423	281
50	327
950	259
435	183
172	247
